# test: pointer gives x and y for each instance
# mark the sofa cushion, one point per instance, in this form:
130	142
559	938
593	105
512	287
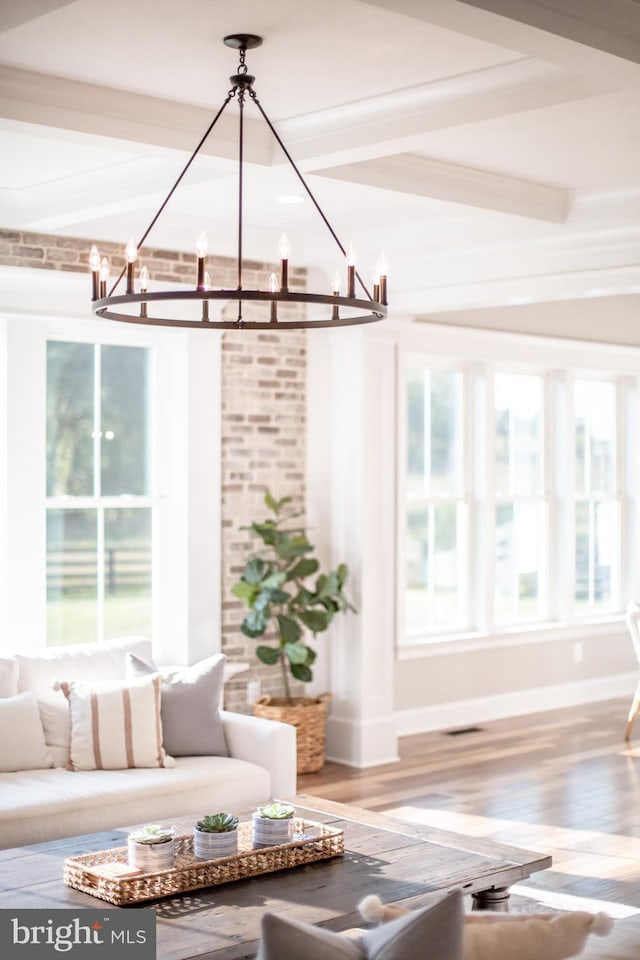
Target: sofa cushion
8	676
191	721
115	724
39	668
22	745
438	925
39	805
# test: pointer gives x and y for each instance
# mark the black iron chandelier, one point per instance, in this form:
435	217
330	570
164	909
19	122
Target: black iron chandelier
137	305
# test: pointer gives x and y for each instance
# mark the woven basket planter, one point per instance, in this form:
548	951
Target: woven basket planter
309	716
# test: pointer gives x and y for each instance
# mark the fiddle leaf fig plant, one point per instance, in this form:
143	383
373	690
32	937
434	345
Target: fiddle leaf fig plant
275	587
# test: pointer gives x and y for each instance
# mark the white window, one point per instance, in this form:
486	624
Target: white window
521	513
518	484
109	476
436	516
597	503
99	508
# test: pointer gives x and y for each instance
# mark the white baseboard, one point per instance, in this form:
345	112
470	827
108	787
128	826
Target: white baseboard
463	713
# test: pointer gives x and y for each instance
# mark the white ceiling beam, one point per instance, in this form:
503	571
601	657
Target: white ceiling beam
134	186
15	14
87	108
393	122
595	40
426	177
612	27
538	288
386	124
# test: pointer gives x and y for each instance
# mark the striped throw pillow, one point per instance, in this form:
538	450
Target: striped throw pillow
115	724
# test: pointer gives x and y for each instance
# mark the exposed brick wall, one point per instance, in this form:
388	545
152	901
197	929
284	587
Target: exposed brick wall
263	411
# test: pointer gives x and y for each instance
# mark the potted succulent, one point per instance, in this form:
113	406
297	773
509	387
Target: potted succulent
151	848
216	835
272	824
277	589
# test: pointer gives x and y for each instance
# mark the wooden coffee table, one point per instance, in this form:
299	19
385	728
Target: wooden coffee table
399	862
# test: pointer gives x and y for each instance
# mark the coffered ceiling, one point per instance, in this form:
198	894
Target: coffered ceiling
491	148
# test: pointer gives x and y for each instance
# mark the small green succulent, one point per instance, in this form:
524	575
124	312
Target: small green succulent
276	811
218	823
152	833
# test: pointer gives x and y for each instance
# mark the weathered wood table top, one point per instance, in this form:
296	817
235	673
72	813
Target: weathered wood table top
399	862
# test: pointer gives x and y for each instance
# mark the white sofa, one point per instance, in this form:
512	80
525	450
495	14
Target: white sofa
49	802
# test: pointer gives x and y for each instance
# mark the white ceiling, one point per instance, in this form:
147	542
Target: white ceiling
493	161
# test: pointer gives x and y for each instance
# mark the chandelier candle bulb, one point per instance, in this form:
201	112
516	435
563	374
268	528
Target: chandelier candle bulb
376	288
284	263
94	266
104	276
131	253
144	286
205	303
336	292
383	271
351	272
273	288
202	248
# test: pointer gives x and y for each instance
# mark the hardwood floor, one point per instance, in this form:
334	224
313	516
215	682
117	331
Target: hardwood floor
562	782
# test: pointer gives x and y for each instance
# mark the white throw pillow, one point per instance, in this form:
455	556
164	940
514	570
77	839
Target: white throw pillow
22	744
8	677
541	937
92	661
115	724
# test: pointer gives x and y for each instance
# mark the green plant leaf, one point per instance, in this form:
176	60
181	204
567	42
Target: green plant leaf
268	655
296	652
267	532
271	503
262	601
279	597
289	629
330	585
295	546
301	672
304	568
254	570
311	656
315	620
254	624
273	581
244	590
343	574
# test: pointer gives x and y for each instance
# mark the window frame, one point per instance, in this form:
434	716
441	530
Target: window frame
186	422
558	362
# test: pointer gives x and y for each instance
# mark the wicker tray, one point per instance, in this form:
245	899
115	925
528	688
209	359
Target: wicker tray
107	875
